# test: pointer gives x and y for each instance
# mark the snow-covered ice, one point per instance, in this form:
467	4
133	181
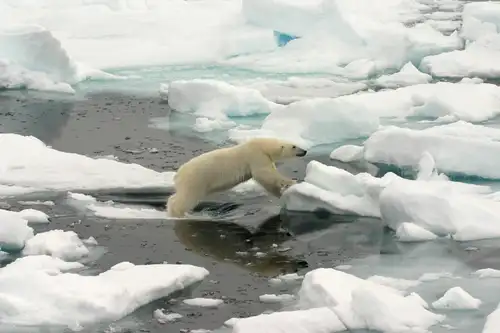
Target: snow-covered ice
333	301
38	290
441	207
65	245
457	148
457	299
28	162
408	75
14	231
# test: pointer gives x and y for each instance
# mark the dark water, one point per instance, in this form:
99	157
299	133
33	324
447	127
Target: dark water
105	124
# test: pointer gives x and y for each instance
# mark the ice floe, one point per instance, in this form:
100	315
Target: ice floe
457	299
39	290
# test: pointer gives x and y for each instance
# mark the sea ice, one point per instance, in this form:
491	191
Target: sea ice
164	318
457	148
481	23
36	290
215	99
334	301
487	273
34	216
411	232
56	243
492	324
27	162
457	299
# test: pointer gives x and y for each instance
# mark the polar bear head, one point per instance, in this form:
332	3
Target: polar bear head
277	149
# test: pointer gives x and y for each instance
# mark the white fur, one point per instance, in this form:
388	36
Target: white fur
222	169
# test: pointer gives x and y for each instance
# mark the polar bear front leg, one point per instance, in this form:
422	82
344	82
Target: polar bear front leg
270	178
180	203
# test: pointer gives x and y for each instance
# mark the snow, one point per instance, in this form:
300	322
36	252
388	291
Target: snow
37	291
56	243
273	298
334	301
408	75
27	162
14	231
457	299
203	302
457	148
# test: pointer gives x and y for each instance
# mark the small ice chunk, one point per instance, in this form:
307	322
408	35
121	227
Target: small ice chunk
457	299
286	278
90	241
399	284
203	302
37	202
427	277
487	273
203	124
347	153
57	243
14	231
34	216
164	318
471	80
411	232
408	75
273	298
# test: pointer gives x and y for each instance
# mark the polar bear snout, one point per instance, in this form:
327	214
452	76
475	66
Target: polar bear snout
300	152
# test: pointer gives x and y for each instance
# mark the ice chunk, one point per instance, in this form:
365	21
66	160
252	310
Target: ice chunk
14	231
416	297
34	216
13	76
464	216
273	298
411	232
457	299
204	124
315	121
408	75
364	304
28	162
487	273
315	320
492	324
34	289
56	243
164	318
217	99
456	148
203	302
347	153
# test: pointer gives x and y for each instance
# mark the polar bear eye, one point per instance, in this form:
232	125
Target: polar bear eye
294	147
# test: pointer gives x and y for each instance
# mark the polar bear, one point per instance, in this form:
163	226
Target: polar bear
222	169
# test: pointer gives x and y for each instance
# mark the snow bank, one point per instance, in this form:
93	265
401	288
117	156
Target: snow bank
481	24
56	243
416	209
457	148
217	99
27	162
334	301
326	120
36	290
457	299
